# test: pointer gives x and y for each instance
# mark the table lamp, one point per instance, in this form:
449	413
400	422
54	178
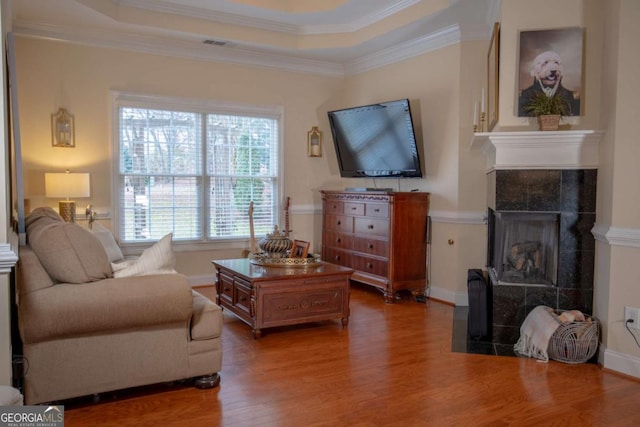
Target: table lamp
67	185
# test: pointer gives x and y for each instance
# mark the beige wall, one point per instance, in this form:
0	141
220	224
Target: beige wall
610	100
80	78
618	190
524	15
440	86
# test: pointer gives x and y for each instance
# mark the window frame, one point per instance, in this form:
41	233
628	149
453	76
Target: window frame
200	106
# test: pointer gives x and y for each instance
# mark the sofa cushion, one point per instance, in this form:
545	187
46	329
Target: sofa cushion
206	322
68	252
108	242
157	259
66	310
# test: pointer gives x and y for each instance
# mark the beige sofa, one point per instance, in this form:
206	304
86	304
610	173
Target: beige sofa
85	332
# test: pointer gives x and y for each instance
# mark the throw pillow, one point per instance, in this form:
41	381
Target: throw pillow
158	259
69	252
108	242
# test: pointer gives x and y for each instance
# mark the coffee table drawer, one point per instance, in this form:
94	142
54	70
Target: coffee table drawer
243	299
306	301
225	288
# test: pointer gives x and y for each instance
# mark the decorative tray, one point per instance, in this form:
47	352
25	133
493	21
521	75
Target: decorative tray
267	261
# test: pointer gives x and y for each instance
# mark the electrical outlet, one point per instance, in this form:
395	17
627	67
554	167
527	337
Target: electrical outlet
632	313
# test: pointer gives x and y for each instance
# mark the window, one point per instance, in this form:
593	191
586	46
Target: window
192	168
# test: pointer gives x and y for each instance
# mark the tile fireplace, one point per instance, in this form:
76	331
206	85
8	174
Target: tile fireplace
541	209
543	250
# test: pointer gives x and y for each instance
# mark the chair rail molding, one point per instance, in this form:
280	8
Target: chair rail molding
617	236
8	258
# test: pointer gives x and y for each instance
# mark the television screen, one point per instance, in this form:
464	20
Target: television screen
376	141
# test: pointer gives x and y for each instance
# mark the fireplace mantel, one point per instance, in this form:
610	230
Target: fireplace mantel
569	149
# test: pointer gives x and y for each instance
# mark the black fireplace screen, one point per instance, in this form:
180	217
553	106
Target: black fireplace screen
523	247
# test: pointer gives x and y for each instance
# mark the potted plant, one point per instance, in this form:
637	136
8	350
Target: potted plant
548	109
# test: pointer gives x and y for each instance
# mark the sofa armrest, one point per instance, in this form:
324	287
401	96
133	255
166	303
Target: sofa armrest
107	305
31	274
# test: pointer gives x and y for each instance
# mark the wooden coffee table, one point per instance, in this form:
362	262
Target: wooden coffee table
265	297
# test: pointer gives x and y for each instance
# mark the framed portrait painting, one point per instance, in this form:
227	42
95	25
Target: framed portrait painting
550	62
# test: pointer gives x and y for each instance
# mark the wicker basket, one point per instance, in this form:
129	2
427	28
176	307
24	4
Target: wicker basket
575	342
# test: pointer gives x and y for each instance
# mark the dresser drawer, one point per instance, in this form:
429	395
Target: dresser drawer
376	210
354	208
371	245
333	207
340	223
370	265
376	227
339	240
337	256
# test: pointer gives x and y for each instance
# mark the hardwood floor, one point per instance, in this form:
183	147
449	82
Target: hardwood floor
393	366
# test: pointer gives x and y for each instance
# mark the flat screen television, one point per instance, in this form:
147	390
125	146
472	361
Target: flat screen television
376	141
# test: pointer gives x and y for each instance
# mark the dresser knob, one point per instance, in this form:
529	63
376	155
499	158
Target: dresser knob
369	265
336	258
370	226
370	246
376	210
339	223
338	240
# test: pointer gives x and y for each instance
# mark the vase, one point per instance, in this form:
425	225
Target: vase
276	244
549	121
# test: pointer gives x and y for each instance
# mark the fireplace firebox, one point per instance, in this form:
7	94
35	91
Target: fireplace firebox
523	247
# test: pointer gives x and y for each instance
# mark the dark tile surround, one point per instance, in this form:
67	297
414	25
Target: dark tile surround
572	195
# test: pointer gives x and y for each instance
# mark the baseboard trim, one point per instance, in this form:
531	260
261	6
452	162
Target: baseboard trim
619	362
447	296
202	280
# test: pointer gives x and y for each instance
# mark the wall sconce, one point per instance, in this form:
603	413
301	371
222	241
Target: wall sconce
66	185
314	141
62	129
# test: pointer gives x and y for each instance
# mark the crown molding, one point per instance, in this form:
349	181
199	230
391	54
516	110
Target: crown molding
180	49
421	45
191	49
266	24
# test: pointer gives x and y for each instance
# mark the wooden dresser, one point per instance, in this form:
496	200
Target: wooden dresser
381	235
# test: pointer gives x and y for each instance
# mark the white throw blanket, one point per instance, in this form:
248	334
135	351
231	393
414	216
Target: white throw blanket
535	333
